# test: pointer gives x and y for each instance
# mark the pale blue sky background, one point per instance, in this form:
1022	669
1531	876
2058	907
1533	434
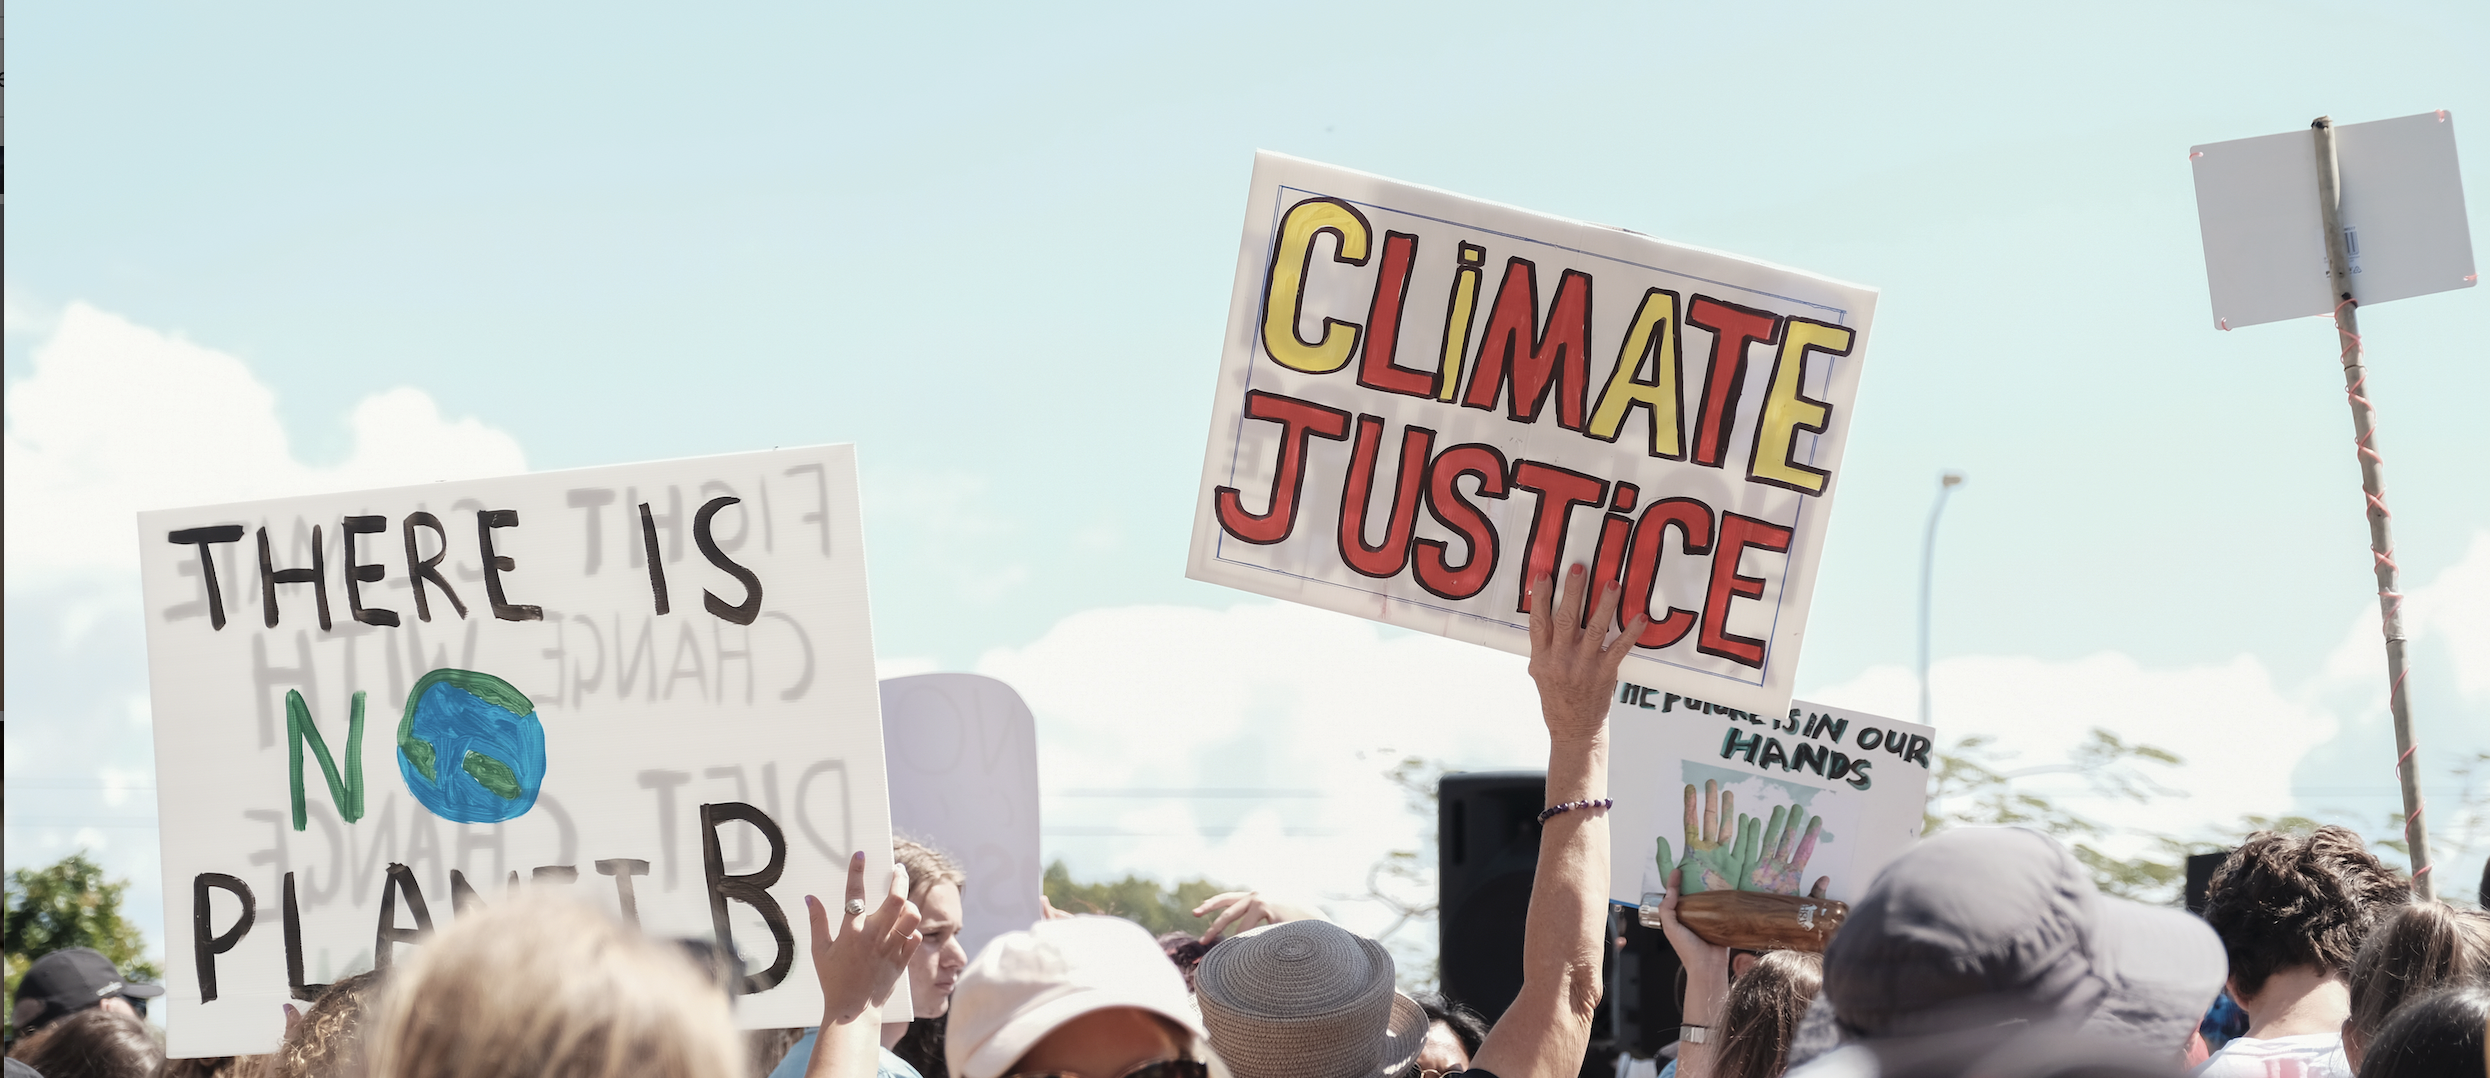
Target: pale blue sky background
992	246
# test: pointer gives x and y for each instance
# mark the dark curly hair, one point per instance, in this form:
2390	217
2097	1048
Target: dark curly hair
1186	950
2282	900
2436	1036
1465	1024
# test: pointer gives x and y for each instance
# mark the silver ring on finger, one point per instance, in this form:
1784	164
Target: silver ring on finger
855	907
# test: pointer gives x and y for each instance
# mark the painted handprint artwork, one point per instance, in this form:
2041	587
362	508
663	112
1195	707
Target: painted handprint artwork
1693	803
1733	832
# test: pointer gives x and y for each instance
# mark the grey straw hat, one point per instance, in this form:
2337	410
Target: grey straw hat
1306	999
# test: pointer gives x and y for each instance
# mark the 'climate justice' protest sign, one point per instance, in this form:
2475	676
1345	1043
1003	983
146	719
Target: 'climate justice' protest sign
1424	400
1772	802
647	687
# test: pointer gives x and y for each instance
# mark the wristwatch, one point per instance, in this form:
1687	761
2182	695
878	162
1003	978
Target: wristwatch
1695	1034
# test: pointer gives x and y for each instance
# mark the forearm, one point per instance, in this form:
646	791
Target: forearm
1565	934
1707	998
1549	1023
850	1049
1567	923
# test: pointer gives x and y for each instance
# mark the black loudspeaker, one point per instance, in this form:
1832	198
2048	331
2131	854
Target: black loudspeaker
2200	868
1487	828
1644	1003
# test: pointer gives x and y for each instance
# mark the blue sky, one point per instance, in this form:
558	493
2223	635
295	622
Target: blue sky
991	245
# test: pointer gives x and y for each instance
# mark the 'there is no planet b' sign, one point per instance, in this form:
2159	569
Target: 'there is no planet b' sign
649	687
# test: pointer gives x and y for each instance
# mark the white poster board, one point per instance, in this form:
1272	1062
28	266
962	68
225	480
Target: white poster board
1424	397
2402	209
596	660
1855	784
963	777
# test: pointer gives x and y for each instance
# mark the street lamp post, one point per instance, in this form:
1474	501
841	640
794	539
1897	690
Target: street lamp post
1927	573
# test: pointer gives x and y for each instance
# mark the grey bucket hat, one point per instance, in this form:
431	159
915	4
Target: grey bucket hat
1306	999
1982	926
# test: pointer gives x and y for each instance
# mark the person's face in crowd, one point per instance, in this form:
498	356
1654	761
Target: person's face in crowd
1441	1052
936	968
1104	1043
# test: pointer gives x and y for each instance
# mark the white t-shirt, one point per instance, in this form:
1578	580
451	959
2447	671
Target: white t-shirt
2309	1055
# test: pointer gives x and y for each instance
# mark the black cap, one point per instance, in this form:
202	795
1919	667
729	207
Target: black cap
66	982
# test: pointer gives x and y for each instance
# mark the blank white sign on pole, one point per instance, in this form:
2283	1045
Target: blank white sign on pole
2403	218
962	752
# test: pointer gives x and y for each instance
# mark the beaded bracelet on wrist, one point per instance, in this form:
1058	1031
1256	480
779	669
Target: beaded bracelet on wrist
1553	811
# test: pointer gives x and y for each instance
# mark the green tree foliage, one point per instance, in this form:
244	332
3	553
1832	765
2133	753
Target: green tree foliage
1142	901
71	904
1974	783
2458	830
1403	881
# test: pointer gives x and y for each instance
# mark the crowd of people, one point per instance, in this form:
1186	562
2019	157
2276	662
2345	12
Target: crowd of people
1980	951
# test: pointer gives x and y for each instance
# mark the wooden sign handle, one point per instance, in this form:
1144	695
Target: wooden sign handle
1762	922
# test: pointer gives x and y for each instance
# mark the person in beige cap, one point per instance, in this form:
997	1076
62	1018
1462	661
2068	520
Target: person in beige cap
1309	999
1075	997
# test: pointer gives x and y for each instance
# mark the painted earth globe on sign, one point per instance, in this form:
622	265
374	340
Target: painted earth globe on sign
471	748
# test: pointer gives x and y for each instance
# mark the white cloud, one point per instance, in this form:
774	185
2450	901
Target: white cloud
2240	733
2246	733
115	418
25	316
2454	608
886	667
1305	708
118	418
1287	714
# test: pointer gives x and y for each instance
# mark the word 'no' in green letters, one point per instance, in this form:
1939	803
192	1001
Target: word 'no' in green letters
345	792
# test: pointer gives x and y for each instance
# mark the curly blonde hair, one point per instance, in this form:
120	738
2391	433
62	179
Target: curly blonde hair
327	1041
